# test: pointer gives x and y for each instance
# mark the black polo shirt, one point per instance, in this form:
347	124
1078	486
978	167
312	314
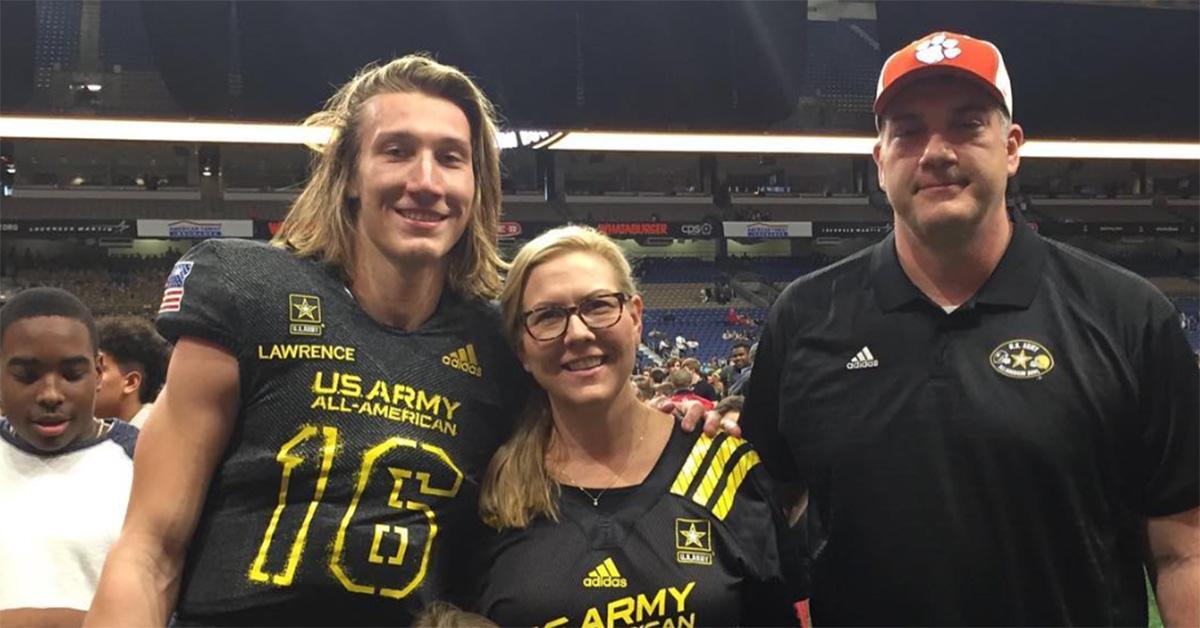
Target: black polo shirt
993	465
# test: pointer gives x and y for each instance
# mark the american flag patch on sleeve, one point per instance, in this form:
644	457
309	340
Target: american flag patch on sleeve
173	291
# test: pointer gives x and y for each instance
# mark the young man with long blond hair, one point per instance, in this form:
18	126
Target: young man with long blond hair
332	396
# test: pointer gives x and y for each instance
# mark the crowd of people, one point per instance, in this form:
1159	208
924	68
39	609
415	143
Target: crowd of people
109	284
965	424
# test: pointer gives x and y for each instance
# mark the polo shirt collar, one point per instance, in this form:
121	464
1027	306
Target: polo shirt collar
1014	282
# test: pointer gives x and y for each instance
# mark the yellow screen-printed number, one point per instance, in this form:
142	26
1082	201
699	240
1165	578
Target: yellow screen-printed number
290	461
448	486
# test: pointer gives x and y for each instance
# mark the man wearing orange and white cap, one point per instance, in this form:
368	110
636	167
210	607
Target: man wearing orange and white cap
989	426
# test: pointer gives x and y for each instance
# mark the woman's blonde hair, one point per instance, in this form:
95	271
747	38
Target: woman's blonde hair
447	615
517	486
321	222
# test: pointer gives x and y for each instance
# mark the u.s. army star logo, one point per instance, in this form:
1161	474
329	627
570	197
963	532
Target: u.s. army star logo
304	314
693	541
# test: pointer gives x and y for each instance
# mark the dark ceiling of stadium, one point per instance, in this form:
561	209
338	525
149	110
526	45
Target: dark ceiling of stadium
1078	69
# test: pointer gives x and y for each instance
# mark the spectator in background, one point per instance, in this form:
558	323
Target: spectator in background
658	375
714	380
134	365
681	390
663	390
738	385
64	476
699	383
739	360
645	388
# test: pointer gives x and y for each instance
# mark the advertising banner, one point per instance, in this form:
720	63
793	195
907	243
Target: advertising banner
195	229
81	228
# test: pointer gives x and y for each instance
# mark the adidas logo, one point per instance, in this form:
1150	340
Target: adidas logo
863	360
605	575
464	360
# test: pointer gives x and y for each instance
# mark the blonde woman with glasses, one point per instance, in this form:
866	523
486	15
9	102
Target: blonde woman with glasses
607	511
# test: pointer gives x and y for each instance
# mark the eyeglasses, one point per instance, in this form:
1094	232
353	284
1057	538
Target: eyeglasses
597	312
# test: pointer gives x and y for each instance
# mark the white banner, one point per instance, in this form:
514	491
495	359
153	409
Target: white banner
195	229
768	230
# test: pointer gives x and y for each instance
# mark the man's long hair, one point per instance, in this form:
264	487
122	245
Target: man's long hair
321	222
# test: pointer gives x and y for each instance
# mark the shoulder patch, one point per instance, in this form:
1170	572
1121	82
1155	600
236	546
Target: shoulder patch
173	290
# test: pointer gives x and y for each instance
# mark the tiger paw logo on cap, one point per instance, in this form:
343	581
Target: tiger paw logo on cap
947	53
938	48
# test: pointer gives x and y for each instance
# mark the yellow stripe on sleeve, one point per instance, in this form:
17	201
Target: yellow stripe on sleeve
736	477
715	470
691	465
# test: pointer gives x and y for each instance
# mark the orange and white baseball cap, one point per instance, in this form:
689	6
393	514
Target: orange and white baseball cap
948	53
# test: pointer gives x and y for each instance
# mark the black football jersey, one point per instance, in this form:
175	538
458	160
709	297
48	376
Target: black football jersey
348	493
699	543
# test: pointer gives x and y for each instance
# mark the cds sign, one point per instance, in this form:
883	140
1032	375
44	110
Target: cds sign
698	230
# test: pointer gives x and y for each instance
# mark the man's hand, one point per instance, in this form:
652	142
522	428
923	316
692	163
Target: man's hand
692	414
689	412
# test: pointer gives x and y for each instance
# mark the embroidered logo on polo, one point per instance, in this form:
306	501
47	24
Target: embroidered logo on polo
1022	359
693	541
304	315
605	575
864	359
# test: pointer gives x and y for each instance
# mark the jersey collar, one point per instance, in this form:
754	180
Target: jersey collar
1014	283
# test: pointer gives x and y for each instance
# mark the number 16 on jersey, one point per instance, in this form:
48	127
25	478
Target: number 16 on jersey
369	554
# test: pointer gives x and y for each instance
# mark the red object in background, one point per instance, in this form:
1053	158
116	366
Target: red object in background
802	614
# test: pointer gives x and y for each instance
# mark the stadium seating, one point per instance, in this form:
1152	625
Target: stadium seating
705	326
